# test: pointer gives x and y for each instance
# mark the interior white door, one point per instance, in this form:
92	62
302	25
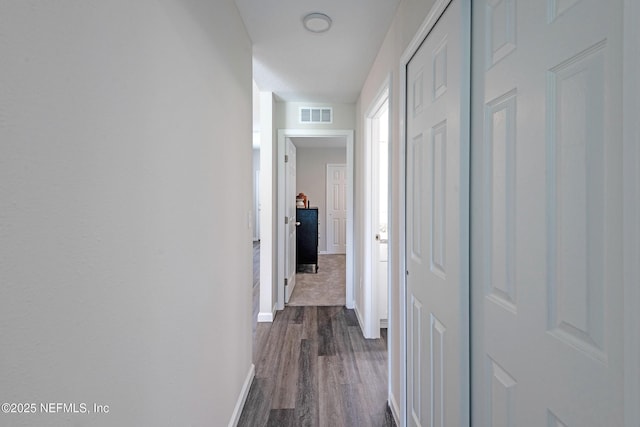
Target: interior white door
290	209
547	261
437	217
336	209
380	209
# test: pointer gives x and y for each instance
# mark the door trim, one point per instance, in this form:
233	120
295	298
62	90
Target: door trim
371	326
429	23
283	134
288	270
631	211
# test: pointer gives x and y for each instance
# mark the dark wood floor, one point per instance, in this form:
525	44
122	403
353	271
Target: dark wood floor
314	368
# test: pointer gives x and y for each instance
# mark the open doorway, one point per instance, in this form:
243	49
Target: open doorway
321	184
376	236
344	139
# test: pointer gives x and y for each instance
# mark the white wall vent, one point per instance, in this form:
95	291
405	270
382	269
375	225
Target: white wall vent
316	115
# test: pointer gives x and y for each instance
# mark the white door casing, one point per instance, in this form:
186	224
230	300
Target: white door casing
290	221
380	161
375	281
283	134
547	214
437	212
336	215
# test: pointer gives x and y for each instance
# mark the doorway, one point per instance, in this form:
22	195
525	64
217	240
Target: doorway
322	187
376	198
283	136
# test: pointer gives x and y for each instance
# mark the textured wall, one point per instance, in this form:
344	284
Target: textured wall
125	170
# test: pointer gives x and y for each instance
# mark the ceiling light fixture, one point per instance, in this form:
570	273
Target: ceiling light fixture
316	22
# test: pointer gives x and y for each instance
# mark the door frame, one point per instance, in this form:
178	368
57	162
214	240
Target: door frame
429	23
327	202
283	134
287	255
631	214
370	319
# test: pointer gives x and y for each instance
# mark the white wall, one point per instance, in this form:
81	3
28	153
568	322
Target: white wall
409	17
288	116
125	255
311	179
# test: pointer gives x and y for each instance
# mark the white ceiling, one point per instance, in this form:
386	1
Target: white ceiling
298	65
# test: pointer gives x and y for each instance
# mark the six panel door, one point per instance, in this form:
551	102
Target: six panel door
547	205
437	234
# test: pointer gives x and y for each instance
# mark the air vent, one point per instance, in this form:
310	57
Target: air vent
316	115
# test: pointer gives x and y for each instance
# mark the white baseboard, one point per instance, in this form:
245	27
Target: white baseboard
237	411
265	317
395	410
268	316
384	323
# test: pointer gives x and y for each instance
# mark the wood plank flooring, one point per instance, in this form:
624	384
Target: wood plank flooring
314	368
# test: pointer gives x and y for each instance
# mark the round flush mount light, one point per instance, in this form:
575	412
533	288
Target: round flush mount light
317	22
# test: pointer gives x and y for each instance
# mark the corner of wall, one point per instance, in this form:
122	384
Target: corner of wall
242	397
395	409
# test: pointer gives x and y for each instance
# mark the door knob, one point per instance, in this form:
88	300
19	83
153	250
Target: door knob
377	237
297	223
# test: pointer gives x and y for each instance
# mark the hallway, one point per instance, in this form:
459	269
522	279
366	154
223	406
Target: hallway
127	139
314	368
313	365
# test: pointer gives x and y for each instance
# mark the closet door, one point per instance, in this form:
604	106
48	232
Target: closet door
437	226
547	297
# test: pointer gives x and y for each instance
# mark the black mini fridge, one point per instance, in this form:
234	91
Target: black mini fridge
307	240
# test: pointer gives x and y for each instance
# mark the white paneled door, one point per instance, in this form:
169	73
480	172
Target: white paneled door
380	210
336	209
290	209
547	213
437	225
